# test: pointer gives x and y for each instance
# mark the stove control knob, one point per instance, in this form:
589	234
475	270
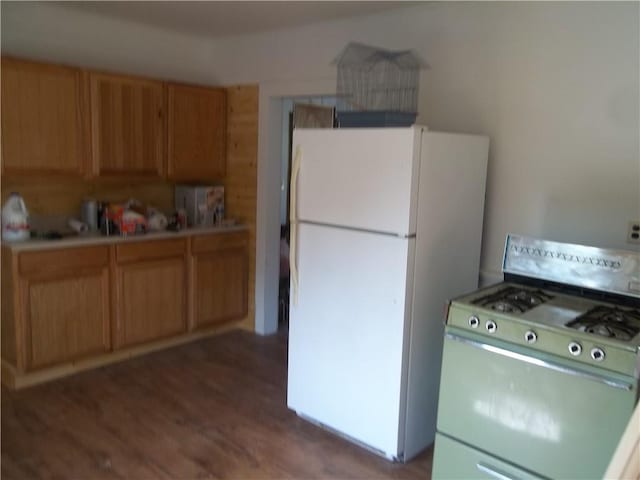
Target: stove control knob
491	326
474	321
575	349
530	336
597	354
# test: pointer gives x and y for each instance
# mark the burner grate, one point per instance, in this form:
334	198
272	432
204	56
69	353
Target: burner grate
614	322
513	300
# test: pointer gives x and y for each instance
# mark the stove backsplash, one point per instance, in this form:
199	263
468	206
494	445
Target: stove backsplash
614	271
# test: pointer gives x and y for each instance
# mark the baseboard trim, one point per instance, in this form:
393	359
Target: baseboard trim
13	379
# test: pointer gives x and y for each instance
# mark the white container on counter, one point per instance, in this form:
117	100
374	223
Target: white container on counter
15	219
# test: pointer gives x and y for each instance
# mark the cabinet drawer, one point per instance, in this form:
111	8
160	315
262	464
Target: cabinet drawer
455	460
211	243
64	258
131	252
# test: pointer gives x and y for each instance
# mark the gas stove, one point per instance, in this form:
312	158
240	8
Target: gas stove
513	299
587	325
542	367
614	322
584	330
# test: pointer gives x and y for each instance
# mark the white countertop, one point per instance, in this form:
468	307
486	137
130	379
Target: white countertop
97	239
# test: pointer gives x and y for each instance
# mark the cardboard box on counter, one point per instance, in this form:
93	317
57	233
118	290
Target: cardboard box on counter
203	204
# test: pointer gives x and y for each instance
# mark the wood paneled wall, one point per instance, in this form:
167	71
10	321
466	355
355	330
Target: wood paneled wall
54	196
241	179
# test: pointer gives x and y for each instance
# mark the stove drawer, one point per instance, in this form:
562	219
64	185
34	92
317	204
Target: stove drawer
454	460
545	414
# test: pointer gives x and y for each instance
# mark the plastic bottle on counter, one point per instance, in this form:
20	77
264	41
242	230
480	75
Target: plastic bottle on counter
15	219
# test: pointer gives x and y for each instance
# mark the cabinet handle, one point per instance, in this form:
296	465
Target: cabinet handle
293	220
612	382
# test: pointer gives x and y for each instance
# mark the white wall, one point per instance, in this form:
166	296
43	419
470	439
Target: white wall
555	86
45	31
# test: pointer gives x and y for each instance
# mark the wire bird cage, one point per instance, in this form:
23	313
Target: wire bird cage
373	79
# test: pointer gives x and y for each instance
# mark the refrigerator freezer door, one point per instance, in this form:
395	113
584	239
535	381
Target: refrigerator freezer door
346	333
362	178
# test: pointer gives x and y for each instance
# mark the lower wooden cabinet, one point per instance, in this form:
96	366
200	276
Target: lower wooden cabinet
151	301
220	279
68	318
86	305
220	286
65	306
151	291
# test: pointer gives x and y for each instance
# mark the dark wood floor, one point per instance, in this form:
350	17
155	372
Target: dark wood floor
211	409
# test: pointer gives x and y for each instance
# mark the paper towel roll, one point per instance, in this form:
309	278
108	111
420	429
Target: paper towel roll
77	226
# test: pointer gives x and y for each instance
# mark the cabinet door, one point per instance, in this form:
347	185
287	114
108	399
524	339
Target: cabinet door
44	122
151	300
127	126
196	133
66	316
220	286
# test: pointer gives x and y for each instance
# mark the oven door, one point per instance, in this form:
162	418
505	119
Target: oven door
548	415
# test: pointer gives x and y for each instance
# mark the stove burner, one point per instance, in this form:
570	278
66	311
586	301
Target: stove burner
502	306
513	299
614	322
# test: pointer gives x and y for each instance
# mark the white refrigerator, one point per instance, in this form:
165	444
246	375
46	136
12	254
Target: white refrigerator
386	226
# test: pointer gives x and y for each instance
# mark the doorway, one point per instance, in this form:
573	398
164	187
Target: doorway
269	191
300	112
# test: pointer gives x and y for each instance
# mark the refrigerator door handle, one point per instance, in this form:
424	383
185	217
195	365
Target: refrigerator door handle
293	220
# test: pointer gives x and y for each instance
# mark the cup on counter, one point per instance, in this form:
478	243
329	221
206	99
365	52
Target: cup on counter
78	226
89	214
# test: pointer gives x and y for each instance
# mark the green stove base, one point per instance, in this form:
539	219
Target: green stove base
454	460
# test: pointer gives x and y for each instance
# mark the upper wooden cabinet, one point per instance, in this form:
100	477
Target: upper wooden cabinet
127	126
44	119
196	133
69	121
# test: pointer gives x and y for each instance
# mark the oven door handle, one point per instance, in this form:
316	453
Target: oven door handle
541	363
493	472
